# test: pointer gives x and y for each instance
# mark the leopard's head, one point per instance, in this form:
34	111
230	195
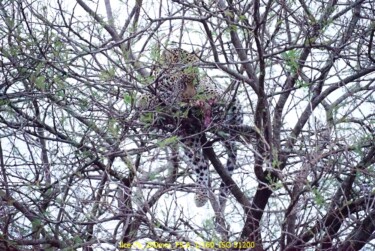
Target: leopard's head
178	56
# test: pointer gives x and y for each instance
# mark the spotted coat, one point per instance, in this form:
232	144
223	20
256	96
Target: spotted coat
179	87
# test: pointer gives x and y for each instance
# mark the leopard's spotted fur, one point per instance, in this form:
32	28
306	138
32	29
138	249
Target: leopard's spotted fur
178	84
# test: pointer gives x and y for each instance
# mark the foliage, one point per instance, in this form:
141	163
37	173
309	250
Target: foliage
80	168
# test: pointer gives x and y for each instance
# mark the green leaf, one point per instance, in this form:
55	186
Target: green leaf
155	53
77	240
40	82
36	223
191	70
168	141
4	102
319	199
302	84
153	176
147	117
128	99
291	57
147	80
233	27
108	74
83	103
242	18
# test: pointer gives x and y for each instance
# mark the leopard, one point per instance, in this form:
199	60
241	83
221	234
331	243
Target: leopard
176	77
180	88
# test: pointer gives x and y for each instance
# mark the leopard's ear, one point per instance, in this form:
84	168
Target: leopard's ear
196	51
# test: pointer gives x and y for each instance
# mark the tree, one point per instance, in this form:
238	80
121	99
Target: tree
79	170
